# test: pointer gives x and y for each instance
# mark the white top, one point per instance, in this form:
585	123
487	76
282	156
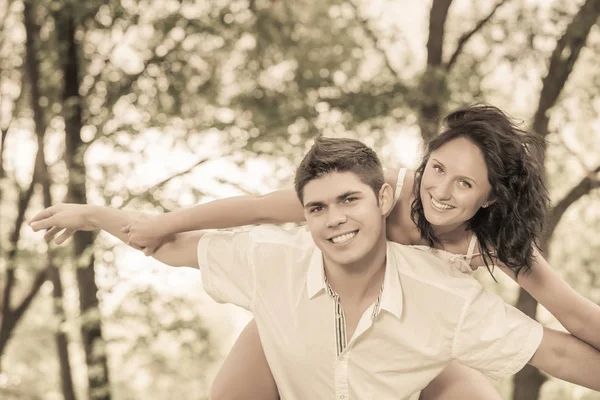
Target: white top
428	314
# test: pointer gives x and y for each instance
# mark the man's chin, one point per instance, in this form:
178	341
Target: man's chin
342	259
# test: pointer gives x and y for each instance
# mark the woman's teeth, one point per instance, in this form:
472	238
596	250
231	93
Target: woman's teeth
343	238
440	206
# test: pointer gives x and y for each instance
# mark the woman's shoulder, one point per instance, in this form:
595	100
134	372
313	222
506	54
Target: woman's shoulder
409	180
400	228
401	180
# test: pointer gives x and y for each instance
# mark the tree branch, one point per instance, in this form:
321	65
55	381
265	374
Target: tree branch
164	182
371	34
4	14
125	85
96	78
586	185
437	21
244	190
3	134
562	61
588	171
38	281
465	37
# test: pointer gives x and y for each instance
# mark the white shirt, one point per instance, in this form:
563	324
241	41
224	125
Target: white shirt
429	314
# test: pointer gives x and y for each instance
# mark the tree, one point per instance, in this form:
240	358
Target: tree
12	314
266	77
529	381
39	117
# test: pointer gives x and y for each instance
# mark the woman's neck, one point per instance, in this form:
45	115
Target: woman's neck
451	235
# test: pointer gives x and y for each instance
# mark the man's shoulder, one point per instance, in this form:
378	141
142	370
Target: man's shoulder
269	238
297	237
434	271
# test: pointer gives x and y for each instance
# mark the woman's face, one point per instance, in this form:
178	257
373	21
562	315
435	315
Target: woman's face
454	184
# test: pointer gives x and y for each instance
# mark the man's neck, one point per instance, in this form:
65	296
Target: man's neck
361	280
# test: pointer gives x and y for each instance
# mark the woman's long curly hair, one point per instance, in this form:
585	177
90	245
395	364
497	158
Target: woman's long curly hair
508	228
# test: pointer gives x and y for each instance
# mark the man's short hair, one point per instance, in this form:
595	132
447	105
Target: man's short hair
339	155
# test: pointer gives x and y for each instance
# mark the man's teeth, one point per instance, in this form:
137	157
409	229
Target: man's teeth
439	205
343	238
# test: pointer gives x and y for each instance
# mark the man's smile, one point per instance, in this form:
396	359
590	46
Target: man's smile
343	238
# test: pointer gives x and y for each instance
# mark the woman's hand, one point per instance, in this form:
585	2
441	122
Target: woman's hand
145	233
68	218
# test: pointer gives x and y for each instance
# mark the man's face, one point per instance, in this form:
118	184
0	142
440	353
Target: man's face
345	218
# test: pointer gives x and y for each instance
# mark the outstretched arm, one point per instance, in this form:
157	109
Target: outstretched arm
579	315
568	358
176	250
276	207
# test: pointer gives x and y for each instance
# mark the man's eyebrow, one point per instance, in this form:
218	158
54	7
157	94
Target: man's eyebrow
314	204
339	198
348	194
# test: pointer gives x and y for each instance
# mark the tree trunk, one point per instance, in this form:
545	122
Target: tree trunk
82	241
528	382
562	61
433	90
33	72
11	316
62	341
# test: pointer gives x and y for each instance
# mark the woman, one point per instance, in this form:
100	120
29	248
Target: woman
478	199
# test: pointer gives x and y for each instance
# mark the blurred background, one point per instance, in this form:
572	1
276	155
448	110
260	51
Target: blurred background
159	104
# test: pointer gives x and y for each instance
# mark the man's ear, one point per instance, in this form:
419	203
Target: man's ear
386	199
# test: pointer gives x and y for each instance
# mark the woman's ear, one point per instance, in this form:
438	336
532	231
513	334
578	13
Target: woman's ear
488	203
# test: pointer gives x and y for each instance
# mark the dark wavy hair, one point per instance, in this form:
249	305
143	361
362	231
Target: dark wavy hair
509	227
339	155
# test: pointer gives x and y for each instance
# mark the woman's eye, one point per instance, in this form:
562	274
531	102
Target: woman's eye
437	168
465	184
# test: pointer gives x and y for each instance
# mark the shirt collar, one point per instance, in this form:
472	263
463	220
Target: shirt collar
315	281
391	298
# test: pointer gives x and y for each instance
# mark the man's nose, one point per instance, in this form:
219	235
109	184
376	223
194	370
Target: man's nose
335	217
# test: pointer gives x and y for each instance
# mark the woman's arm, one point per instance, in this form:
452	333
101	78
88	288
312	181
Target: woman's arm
177	250
245	373
273	208
580	316
459	382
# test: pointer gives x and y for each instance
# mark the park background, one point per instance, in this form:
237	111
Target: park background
160	104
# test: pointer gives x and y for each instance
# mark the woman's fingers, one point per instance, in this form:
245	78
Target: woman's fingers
64	236
51	233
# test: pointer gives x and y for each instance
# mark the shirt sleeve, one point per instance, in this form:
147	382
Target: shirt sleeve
495	338
226	263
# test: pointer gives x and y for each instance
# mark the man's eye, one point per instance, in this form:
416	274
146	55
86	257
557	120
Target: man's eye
350	199
316	209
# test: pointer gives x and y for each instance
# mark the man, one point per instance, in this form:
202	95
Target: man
342	313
